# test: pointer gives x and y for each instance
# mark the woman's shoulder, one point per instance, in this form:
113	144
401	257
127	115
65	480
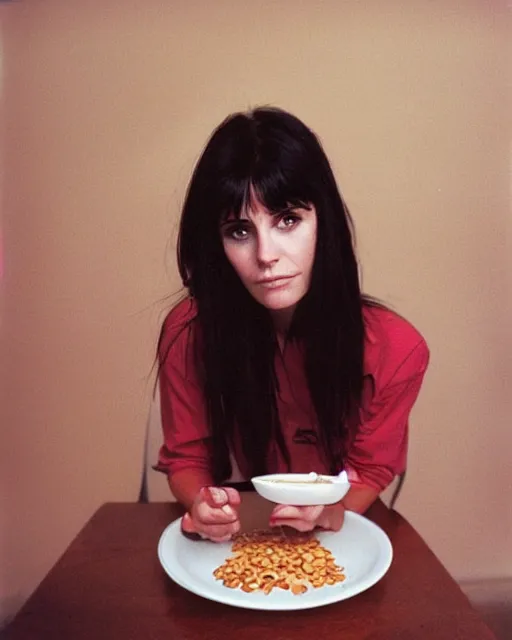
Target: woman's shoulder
392	344
182	314
178	328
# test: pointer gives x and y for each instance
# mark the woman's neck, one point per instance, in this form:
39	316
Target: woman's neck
282	319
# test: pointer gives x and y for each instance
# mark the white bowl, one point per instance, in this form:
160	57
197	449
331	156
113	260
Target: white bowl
300	490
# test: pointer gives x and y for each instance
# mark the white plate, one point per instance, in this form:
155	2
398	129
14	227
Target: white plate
361	547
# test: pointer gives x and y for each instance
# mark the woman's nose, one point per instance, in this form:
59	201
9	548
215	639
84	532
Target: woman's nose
267	250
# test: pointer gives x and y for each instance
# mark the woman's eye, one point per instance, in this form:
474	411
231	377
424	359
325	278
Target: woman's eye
288	221
238	233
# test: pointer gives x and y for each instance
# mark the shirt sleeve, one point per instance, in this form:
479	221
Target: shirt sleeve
185	427
379	450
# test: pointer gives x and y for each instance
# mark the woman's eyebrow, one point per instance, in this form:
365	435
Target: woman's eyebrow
293	207
235	221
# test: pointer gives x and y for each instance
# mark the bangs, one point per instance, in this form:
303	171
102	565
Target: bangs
272	191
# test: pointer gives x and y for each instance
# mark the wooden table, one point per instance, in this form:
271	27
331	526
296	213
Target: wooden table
109	585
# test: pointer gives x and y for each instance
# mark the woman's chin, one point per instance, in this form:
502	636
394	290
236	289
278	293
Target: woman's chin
281	304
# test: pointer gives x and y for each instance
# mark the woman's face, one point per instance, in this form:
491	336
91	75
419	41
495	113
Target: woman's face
272	254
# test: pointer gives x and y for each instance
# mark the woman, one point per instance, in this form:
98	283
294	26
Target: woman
276	361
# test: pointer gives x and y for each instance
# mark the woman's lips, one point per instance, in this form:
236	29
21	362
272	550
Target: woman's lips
275	283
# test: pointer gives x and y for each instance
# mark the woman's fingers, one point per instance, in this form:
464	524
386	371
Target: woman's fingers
187	524
222	502
299	525
208	515
214	497
219	532
217	508
222	539
299	518
288	512
234	498
214	514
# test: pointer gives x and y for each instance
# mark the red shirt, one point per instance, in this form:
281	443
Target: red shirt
395	360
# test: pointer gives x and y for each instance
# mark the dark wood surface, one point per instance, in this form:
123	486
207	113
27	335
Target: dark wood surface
109	585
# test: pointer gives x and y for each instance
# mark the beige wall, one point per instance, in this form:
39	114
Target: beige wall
108	104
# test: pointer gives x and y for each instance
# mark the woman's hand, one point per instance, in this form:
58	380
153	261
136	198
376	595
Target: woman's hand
307	518
214	514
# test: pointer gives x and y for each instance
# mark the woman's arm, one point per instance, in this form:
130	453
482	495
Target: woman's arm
186	484
360	498
185	454
378	452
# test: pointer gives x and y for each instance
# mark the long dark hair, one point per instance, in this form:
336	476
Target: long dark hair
271	153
